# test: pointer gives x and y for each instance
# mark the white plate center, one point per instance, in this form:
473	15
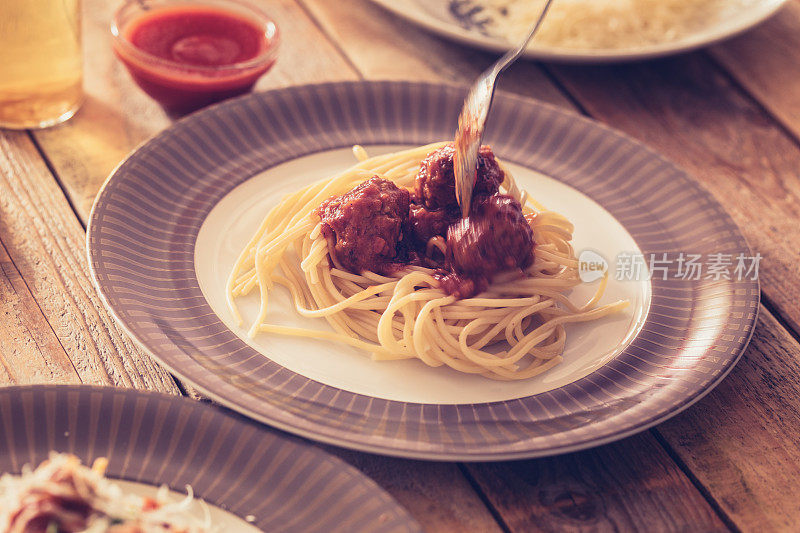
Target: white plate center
590	345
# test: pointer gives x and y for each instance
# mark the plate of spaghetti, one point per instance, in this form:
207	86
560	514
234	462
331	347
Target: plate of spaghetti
299	256
164	464
587	31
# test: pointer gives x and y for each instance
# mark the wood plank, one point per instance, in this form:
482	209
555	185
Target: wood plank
689	110
741	440
30	351
117	116
61	331
626	486
382	46
437	495
766	61
379	45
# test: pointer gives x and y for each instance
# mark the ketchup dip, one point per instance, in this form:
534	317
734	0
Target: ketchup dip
188	55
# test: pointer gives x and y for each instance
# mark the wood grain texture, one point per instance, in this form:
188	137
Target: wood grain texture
382	46
437	495
741	441
117	116
58	329
766	61
630	485
30	351
688	109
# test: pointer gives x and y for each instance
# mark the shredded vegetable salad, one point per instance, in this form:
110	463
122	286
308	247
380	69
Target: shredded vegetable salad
62	495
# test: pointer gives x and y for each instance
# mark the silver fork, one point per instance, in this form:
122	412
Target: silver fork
472	120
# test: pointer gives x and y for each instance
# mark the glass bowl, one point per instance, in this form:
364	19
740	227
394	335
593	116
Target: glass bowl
191	70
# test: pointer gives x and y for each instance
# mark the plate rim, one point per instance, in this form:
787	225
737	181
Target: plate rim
582	56
109	393
408	452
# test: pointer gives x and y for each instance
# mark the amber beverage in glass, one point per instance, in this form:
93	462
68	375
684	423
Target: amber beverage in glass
41	70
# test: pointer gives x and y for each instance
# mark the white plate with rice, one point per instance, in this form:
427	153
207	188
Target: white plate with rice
588	31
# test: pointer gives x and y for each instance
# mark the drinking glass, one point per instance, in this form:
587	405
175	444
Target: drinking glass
41	70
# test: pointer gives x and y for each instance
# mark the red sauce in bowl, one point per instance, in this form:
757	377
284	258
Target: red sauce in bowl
189	55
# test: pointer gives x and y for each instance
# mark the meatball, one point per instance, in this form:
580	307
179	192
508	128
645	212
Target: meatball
435	186
364	226
424	224
495	237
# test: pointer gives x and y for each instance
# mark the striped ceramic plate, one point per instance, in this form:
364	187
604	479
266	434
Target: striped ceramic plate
169	222
252	477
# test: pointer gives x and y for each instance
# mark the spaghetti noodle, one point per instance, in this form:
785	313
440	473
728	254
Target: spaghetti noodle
514	329
609	25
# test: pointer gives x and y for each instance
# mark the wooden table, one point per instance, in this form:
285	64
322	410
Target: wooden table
730	115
